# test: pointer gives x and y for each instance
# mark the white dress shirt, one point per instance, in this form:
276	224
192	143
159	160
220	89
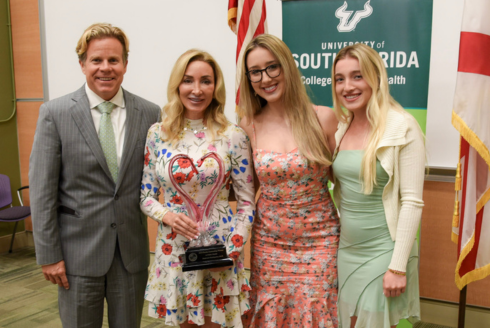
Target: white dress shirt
118	117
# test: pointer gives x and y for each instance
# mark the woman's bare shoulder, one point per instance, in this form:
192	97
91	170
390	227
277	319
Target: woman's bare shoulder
327	118
246	125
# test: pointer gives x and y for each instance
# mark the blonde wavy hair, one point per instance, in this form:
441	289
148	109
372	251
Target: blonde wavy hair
100	31
307	131
374	73
214	117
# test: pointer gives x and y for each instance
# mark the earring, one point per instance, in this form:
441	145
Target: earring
255	94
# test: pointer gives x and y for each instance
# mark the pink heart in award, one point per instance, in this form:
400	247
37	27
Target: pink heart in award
204	252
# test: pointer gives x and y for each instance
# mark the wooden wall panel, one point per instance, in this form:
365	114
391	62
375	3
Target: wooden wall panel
437	251
438	254
27	114
26	45
478	293
27	48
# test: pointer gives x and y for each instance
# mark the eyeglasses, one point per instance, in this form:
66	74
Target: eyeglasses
255	75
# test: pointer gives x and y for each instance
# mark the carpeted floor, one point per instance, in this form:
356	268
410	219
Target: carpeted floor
27	300
421	324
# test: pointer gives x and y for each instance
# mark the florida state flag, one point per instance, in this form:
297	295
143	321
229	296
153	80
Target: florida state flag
471	117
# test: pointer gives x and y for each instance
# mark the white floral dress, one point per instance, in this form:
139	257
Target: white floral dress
177	296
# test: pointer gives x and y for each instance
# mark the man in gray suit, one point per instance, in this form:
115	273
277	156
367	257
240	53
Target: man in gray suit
85	176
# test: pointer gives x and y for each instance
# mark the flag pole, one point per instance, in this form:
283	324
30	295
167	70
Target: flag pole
462	307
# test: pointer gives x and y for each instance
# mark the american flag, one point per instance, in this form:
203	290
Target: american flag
471	117
247	19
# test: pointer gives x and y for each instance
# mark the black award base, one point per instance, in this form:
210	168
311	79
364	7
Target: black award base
206	257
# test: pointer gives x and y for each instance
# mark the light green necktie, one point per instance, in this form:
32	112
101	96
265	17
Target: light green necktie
107	138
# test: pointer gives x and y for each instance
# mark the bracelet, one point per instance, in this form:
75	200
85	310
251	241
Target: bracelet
399	273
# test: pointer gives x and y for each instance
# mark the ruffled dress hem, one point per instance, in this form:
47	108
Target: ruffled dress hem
271	310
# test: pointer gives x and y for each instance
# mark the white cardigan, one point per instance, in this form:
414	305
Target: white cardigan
401	153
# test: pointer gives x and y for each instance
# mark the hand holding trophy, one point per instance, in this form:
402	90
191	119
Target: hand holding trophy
205	252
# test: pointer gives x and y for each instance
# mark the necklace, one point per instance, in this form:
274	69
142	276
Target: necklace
196	131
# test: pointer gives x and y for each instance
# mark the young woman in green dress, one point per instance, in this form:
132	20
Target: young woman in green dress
379	165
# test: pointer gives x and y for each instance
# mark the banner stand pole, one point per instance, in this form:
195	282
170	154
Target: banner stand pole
462	307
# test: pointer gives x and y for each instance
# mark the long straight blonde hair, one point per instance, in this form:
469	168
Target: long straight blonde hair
374	73
306	128
173	116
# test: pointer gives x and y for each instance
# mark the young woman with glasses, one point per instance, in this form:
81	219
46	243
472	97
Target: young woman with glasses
296	232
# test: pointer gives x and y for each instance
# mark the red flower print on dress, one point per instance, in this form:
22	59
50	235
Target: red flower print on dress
195	300
189	296
172	235
214	285
177	199
190	175
234	255
179	177
162	310
167	249
220	302
237	240
246	288
147	156
184	163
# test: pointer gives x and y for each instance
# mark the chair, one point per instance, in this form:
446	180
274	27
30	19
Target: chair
13	213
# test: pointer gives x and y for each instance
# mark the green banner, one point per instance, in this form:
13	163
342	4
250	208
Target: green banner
315	30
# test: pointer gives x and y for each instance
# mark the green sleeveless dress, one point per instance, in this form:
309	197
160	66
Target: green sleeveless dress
365	252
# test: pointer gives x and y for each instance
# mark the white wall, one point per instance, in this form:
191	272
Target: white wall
442	138
160	30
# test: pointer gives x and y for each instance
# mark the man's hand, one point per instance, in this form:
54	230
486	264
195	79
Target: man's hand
56	273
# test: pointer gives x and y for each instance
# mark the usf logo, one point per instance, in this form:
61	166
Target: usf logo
344	15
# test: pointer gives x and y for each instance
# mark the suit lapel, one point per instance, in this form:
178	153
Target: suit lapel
83	118
133	119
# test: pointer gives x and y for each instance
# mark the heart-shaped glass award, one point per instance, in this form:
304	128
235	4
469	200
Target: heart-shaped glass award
205	252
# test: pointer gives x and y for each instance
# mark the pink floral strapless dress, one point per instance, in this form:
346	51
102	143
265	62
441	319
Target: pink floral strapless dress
294	245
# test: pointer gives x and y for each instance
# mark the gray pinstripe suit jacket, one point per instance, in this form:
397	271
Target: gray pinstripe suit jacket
78	212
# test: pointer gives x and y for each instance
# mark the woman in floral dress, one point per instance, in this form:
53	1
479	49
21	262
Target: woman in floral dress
295	235
195	125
